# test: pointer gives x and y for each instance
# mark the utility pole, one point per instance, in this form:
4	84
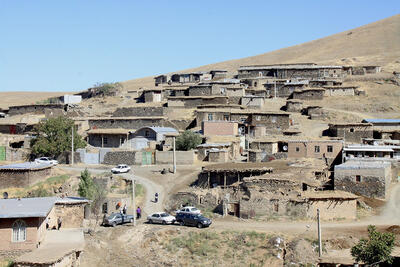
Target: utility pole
319	235
174	155
72	144
133	202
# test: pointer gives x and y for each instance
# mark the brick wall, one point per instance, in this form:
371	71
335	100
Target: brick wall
6	234
219	128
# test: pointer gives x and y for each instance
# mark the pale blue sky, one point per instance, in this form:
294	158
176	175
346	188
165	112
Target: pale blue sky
71	45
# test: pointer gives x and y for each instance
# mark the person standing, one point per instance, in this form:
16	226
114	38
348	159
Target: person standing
59	221
138	213
47	223
124	209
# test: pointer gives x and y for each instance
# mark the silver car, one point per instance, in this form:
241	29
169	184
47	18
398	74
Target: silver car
161	217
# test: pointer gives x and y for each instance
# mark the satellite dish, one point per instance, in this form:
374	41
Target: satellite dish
5	195
284	148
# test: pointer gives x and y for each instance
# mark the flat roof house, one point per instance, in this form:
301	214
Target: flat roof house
329	149
351	132
23	174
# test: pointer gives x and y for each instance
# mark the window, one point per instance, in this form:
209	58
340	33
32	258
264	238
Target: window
258	118
210	117
276	207
330	149
351	130
358	178
222	91
297	149
147	133
316	149
226	117
255	84
105	208
19	231
105	140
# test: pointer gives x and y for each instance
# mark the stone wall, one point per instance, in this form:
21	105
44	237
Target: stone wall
72	215
38	109
138	112
294	106
195	101
122	157
274	122
22	178
182	157
351	133
309	94
127	123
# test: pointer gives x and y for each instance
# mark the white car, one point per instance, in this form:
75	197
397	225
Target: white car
46	160
161	217
189	210
121	168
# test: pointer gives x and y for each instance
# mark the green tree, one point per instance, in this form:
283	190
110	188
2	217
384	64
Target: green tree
54	137
104	89
188	140
377	248
87	187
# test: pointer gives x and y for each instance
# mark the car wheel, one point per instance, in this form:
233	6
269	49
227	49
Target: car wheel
164	222
199	225
150	221
182	223
131	220
114	224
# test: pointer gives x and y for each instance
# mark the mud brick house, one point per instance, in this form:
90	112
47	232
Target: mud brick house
294	106
320	83
71	210
213	114
161	79
18	124
367	178
36	109
256	92
374	152
194	101
284	88
219	128
191	77
351	132
256	83
340	90
23	222
385	128
291	71
252	101
204	150
218	74
309	94
23	174
139	111
113	138
267	122
152	95
314	112
320	149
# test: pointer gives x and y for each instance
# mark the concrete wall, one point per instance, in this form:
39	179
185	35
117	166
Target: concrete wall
21	178
219	128
182	157
374	181
307	149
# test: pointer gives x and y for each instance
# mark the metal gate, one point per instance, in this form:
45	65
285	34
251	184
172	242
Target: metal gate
92	158
2	153
147	158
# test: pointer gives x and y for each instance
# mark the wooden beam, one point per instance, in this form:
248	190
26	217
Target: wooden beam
208	180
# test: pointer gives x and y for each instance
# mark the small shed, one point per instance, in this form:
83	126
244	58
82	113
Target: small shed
218	155
309	94
204	151
23	174
253	101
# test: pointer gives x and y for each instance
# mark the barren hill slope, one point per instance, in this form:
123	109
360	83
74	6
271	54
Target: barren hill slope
377	43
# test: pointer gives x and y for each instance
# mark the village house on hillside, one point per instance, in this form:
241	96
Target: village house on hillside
351	132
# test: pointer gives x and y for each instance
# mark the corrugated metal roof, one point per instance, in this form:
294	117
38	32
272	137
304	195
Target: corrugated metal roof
26	207
26	166
382	120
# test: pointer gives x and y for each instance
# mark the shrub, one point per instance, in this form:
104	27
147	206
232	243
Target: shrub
188	140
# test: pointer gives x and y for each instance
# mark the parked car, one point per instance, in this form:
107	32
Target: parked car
161	217
46	160
121	168
117	218
189	210
193	219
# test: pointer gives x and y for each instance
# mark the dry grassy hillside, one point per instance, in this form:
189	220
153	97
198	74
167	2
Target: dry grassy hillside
377	43
24	98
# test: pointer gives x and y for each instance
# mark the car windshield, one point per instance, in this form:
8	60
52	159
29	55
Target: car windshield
164	214
194	209
200	216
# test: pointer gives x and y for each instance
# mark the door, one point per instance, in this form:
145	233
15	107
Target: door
2	153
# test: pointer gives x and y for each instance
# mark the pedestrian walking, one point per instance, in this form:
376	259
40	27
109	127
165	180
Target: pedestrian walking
59	221
138	213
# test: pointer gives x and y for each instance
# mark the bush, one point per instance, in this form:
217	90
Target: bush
376	249
188	140
105	89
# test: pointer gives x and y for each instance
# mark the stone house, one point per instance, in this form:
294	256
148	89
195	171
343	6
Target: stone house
194	101
384	127
125	122
156	136
161	79
219	128
191	77
314	112
294	106
320	83
367	178
351	132
256	83
218	155
340	90
256	92
218	74
269	146
291	71
309	94
18	124
213	114
252	101
36	109
271	121
23	174
71	210
329	149
362	70
152	95
23	222
284	88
